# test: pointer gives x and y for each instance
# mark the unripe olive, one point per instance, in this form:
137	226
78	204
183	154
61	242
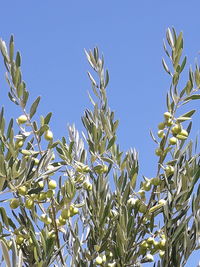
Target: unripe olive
184	132
48	135
176	129
19	143
173	140
33	196
19	239
52	184
169	170
146	186
73	210
65	213
155	181
50	193
182	135
42	196
156	245
161	133
161	126
150	240
14	203
22	190
98	260
169	123
62	221
22	119
142	208
49	220
167	115
159	152
162	244
144	244
29	203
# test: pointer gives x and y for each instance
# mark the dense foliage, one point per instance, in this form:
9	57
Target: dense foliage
74	202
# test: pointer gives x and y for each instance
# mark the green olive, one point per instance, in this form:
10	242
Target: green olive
65	213
14	203
98	260
48	135
161	126
22	119
173	140
52	184
29	203
22	190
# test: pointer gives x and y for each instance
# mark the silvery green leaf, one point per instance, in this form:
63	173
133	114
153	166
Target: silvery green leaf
5	253
11	48
192	97
34	106
166	67
18	60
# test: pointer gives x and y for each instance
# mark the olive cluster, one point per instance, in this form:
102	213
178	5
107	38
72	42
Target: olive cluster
30	199
176	129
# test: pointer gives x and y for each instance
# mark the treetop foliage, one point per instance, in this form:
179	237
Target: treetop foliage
73	202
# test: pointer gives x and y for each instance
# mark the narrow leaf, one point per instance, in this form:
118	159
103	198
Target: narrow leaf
20	259
4	216
11	48
47	118
111	142
34	106
192	97
107	78
183	64
181	119
166	67
5	253
12	98
25	98
189	113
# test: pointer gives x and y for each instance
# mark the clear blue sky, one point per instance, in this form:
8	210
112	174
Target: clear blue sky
52	35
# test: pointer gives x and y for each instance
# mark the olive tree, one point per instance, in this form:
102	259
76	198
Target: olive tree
73	202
